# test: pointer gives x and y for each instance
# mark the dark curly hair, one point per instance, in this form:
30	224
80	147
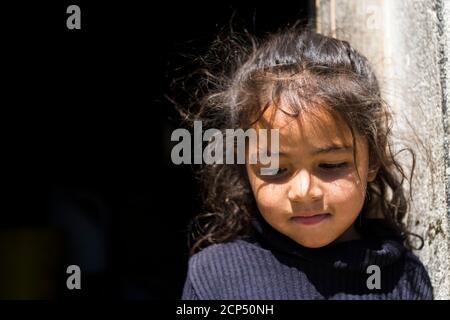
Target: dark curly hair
238	80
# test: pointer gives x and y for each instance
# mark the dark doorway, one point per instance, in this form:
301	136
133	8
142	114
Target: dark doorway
90	180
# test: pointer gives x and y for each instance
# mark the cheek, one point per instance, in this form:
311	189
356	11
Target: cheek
269	197
345	194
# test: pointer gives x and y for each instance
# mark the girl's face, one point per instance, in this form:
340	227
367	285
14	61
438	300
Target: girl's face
315	195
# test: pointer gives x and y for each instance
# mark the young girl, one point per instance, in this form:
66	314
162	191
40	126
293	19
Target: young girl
328	223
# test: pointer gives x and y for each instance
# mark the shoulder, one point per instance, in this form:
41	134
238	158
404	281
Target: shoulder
413	265
211	270
223	253
417	277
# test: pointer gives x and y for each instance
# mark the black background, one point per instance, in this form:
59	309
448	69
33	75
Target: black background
86	128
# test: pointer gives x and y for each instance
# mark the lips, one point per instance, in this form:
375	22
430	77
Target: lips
310	219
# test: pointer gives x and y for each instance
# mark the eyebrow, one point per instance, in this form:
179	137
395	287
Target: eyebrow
333	148
326	149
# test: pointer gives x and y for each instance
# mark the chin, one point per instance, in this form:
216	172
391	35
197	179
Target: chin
315	244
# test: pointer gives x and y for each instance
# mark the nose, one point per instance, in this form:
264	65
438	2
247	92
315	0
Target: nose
304	187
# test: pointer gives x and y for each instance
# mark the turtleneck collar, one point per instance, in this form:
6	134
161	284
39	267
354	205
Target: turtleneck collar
354	254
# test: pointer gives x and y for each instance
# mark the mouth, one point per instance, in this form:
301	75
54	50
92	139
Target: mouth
310	219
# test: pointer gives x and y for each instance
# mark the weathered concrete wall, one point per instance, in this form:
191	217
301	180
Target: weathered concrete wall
408	43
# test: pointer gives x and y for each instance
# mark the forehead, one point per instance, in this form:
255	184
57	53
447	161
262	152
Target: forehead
314	128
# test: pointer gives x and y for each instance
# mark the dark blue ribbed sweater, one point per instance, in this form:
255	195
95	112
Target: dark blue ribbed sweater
269	265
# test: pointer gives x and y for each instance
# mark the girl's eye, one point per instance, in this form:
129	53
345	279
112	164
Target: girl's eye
280	171
275	173
333	166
